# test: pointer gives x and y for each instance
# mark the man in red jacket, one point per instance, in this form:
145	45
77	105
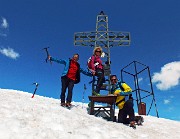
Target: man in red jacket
70	76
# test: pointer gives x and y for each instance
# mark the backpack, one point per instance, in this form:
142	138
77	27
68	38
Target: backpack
124	87
89	63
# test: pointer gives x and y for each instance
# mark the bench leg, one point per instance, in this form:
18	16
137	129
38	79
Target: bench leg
92	108
112	113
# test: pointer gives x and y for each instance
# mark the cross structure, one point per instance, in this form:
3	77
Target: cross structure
107	39
104	38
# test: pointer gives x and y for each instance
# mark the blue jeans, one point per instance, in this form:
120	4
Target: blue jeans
66	83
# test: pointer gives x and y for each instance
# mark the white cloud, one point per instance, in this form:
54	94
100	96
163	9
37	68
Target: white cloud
168	77
166	101
140	79
3	27
4	23
9	52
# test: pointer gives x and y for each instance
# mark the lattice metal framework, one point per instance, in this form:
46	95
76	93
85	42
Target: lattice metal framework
141	93
100	37
104	38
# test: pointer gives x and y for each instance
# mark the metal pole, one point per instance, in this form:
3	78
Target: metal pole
153	92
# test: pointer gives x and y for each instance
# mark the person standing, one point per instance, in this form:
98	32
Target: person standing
96	67
70	76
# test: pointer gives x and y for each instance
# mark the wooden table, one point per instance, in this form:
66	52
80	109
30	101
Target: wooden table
108	110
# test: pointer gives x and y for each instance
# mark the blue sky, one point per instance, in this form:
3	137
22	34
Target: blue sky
27	26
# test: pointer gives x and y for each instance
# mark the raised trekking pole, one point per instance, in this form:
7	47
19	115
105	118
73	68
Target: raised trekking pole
46	49
35	89
83	95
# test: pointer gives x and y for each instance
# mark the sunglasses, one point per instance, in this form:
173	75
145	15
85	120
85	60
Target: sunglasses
113	79
98	51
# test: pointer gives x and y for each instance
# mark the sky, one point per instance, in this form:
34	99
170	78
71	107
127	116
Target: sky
26	27
42	117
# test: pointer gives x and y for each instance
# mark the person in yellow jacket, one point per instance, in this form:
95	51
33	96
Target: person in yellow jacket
124	101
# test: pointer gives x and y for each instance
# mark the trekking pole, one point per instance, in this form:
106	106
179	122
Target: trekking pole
83	95
35	89
46	49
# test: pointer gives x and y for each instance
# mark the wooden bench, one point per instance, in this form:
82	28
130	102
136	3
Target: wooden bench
108	110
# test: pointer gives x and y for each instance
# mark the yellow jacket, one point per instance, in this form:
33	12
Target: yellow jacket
122	96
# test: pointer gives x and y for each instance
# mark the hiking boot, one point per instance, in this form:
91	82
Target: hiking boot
140	121
63	104
68	104
133	124
96	94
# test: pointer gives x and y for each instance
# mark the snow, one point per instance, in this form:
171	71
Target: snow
23	117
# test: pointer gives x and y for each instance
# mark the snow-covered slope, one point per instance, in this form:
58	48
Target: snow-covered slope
23	117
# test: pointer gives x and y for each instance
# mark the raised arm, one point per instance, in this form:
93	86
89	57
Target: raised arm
61	61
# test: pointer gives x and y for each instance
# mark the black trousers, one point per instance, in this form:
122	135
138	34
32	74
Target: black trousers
126	110
101	79
66	83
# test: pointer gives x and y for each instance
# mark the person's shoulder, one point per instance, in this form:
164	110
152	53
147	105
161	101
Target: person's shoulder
93	56
120	82
78	63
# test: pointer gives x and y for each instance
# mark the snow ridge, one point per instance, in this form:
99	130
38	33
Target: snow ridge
40	117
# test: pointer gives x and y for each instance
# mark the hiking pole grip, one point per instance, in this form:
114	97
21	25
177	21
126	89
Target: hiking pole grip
47	58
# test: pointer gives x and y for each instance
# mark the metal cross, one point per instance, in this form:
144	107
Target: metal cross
102	37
